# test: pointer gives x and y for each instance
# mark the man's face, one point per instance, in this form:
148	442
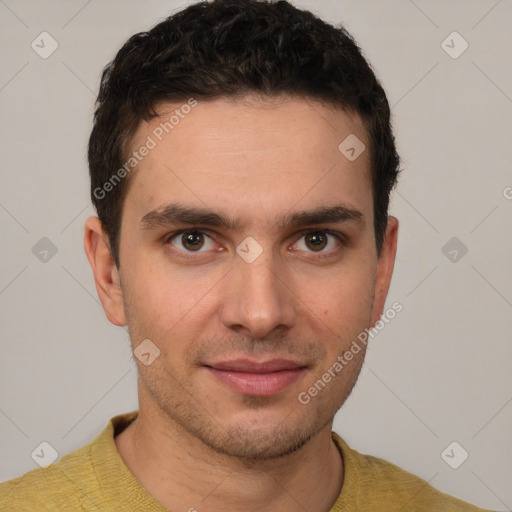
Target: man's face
239	338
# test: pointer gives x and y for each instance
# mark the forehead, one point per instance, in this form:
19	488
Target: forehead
250	156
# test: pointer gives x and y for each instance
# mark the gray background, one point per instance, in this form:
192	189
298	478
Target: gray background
439	372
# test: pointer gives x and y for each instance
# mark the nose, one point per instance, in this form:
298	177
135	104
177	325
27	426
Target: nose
258	298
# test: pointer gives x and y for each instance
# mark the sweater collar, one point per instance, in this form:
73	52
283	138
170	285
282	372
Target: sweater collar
115	476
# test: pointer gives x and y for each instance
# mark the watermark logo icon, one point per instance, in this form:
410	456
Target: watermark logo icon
351	147
454	455
44	250
454	45
44	45
45	454
146	352
454	250
249	249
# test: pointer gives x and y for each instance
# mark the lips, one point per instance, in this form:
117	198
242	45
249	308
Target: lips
257	378
248	366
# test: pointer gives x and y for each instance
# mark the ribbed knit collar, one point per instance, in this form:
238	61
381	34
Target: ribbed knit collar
119	483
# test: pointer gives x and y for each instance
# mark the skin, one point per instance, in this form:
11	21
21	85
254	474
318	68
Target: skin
197	442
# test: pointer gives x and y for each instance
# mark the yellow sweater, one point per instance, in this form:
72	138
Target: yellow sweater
94	478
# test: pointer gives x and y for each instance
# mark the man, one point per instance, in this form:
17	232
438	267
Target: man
241	164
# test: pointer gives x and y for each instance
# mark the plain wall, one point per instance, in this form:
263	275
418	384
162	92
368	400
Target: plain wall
439	372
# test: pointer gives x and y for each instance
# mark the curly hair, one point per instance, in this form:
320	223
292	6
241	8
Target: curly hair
229	48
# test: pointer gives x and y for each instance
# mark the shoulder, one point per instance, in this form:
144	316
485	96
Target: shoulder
52	488
380	485
73	482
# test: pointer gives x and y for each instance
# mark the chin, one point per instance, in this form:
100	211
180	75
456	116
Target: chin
246	443
256	436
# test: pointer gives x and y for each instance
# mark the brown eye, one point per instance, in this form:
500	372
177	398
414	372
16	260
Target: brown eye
316	240
191	241
319	241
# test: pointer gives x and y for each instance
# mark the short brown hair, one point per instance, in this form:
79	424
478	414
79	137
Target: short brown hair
228	48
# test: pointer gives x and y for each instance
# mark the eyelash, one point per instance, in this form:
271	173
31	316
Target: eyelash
190	255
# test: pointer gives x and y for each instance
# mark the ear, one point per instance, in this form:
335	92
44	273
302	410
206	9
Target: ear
385	265
106	274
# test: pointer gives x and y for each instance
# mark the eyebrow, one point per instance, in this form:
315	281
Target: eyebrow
176	213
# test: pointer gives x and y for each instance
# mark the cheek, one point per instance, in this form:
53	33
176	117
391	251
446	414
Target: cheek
164	301
341	298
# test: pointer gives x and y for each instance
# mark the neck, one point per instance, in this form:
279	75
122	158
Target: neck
182	473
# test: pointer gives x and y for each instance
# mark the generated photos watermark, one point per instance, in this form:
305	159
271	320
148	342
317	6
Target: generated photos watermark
151	142
342	360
